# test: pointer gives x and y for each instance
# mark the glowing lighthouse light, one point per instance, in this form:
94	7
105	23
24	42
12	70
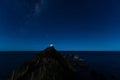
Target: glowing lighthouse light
51	45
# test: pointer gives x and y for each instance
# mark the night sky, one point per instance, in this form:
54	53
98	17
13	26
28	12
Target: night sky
27	25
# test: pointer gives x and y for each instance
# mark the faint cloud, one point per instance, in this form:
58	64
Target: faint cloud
37	8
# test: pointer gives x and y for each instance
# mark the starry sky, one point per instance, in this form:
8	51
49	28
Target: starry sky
87	25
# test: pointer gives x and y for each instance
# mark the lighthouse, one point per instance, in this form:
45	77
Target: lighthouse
51	45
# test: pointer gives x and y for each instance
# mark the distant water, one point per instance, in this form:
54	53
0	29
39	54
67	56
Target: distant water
107	63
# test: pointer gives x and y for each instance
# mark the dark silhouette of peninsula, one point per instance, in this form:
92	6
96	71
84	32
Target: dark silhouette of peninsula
48	65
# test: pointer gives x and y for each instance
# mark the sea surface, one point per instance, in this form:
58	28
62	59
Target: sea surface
107	63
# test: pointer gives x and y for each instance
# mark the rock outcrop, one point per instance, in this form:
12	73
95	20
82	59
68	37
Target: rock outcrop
48	65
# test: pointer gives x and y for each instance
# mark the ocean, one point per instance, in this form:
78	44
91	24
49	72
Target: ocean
107	63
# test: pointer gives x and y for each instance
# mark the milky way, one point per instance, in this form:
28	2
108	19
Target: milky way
69	24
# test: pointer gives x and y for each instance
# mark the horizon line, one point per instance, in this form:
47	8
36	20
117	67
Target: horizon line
61	50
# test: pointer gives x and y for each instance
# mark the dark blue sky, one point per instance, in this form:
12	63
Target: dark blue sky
68	24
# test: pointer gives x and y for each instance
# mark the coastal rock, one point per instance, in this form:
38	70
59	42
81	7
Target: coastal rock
47	65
